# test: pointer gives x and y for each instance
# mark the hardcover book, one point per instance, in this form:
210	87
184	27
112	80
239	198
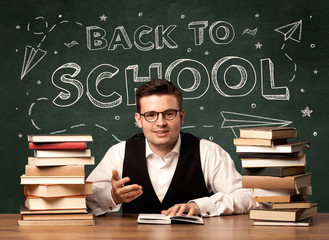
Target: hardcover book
268	132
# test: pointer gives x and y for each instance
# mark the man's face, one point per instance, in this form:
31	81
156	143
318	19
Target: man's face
161	134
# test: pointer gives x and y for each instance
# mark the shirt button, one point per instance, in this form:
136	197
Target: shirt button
111	208
208	213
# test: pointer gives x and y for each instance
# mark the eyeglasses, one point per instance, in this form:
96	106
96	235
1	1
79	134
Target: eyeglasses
152	116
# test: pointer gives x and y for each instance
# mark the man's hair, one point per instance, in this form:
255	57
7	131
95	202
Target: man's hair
158	87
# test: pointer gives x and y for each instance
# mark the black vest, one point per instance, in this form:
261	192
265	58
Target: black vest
187	183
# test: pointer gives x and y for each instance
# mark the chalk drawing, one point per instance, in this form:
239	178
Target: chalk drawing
292	31
33	55
235	121
307	112
251	32
267	73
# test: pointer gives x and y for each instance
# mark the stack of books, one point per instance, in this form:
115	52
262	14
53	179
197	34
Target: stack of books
275	168
54	181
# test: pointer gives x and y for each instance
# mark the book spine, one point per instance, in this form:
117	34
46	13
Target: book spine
68	170
62	145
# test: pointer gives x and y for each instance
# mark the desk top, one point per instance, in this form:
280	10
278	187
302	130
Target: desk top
124	226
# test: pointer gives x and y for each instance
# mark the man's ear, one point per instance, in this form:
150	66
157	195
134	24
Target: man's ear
138	120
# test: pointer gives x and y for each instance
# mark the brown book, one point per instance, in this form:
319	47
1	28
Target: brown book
39	138
61	161
68	222
289	205
281	195
68	202
25	211
69	170
268	132
283	214
258	142
303	223
264	199
59	190
269	182
72	216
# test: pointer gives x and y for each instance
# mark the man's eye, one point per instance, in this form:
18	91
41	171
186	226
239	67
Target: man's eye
150	114
169	114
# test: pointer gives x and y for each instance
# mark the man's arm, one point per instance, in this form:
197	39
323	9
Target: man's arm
101	201
222	178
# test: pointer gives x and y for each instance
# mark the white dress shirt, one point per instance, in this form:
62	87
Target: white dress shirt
218	169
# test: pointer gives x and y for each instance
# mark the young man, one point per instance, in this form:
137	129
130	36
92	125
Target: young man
165	170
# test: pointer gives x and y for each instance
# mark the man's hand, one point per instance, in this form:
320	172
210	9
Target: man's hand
190	208
120	192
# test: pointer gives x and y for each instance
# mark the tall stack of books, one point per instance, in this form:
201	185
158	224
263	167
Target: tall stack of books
54	181
275	168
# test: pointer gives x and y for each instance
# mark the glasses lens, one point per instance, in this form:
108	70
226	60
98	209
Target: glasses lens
151	116
169	114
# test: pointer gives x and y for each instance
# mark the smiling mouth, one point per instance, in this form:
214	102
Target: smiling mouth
161	132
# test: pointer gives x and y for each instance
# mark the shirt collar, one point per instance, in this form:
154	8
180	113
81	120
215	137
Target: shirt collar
176	149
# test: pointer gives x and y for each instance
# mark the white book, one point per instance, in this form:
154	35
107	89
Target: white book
259	192
283	148
52	179
163	219
62	153
60	161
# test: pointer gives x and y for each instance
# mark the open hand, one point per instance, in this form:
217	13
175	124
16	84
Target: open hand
120	192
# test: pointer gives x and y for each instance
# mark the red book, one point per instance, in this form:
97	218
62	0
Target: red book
58	145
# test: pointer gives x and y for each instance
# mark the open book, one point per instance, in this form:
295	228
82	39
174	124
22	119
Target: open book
163	219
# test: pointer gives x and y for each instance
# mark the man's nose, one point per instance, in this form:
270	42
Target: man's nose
161	120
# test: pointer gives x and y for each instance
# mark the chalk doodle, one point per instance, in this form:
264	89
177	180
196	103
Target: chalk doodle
234	121
307	112
251	32
292	31
34	55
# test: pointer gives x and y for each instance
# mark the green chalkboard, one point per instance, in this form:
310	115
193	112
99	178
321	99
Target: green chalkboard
73	66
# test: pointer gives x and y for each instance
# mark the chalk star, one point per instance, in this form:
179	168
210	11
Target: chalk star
18	27
258	45
206	53
257	15
307	112
315	71
103	17
201	108
39	82
20	135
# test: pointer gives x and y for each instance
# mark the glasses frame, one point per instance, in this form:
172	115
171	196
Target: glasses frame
157	113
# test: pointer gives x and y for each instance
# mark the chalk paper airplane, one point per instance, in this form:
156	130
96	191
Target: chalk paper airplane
235	121
32	57
292	31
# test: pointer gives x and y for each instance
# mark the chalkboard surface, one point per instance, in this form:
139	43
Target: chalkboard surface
73	66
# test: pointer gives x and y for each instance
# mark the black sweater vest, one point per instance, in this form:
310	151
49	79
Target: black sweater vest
187	183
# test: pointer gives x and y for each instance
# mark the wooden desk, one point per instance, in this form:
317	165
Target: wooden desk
118	226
